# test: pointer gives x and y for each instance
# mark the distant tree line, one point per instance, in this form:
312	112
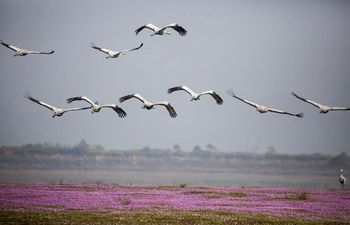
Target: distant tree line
91	157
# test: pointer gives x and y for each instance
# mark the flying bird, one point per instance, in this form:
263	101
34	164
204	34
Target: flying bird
162	30
113	54
196	96
342	178
56	111
262	108
149	105
23	52
323	108
96	107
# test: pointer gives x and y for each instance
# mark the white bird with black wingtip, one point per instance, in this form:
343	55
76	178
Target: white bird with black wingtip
162	30
342	179
264	109
149	105
196	96
23	52
96	107
113	54
56	111
323	108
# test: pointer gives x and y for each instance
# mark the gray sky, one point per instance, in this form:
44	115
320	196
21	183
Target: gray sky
261	49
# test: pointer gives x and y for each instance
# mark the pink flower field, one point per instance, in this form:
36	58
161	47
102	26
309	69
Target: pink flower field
280	203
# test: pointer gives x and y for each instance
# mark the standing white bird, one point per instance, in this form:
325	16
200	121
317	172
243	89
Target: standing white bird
149	105
113	54
23	52
96	107
323	108
162	30
56	111
342	179
196	96
262	108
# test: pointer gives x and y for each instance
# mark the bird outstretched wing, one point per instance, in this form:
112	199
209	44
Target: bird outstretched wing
52	108
150	26
169	107
104	50
76	109
13	48
179	88
80	98
300	115
318	105
121	113
217	98
133	49
177	27
230	92
137	96
37	52
339	109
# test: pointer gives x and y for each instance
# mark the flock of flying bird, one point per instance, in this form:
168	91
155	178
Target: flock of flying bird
96	107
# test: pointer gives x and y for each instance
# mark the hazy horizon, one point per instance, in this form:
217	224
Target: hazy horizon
263	50
254	150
